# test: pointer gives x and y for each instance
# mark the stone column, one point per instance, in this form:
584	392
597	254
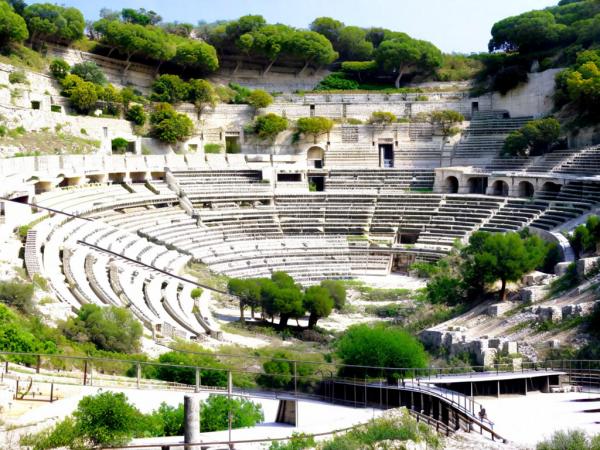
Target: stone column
191	426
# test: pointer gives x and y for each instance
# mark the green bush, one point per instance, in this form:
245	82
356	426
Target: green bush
269	126
215	411
379	346
106	419
136	114
382	118
337	291
298	441
212	148
174	129
259	99
119	145
17	295
59	68
63	434
17	77
187	375
90	72
279	372
196	293
314	126
112	328
567	440
337	81
169	89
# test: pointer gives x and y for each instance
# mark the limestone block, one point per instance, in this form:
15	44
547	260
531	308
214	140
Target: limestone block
487	357
532	294
553	313
554	343
497	309
432	338
509	347
534	278
586	265
517	363
561	268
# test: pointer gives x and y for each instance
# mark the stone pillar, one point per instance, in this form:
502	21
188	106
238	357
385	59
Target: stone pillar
191	426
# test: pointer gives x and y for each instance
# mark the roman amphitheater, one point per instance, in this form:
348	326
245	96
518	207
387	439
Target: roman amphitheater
364	202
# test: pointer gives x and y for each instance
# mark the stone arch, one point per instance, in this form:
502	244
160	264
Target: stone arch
500	188
526	189
315	156
451	185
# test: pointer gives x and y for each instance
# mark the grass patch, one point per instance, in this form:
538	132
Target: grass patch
41	142
207	277
24	57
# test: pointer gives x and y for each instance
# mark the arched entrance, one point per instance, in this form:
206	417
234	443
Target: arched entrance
451	185
500	188
550	187
526	189
314	157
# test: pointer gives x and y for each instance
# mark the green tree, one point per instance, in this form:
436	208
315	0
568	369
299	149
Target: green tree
215	412
279	372
328	27
196	55
534	138
527	32
402	54
259	99
174	129
501	256
337	291
446	289
12	26
248	292
447	119
140	16
382	118
111	99
269	125
352	44
89	71
52	23
318	303
314	126
106	419
202	94
59	68
111	328
169	89
17	294
136	114
83	96
379	346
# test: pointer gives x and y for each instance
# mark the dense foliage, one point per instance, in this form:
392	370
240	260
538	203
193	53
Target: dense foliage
215	412
580	85
281	296
12	26
52	23
314	126
447	120
379	346
169	126
269	125
532	139
110	328
586	237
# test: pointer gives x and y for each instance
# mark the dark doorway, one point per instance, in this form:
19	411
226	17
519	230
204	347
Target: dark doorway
232	144
387	155
316	184
474	107
289	177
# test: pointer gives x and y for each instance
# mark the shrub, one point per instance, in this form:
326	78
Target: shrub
169	89
562	440
59	68
314	126
269	126
17	77
446	289
187	375
382	118
111	328
166	420
279	371
63	434
136	114
212	148
83	96
379	346
89	71
259	99
446	119
196	293
17	295
119	145
336	81
298	441
106	419
175	129
214	413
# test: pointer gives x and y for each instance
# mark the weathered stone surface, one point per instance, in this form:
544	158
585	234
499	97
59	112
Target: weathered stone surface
586	265
561	268
534	278
552	313
532	294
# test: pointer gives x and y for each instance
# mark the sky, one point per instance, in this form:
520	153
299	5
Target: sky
453	25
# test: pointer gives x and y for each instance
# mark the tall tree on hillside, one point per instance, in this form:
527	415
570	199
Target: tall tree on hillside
12	26
328	27
52	23
403	54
